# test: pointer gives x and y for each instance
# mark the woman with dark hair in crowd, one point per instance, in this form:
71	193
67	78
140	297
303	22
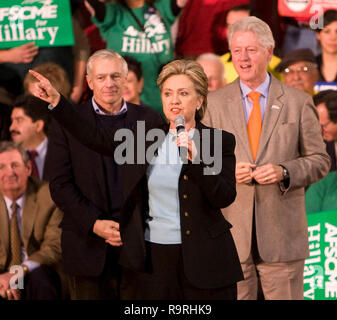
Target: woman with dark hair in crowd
327	60
176	242
140	29
134	81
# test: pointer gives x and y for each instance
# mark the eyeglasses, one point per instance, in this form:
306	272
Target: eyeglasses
301	70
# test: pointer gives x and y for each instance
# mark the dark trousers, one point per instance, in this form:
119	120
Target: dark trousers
43	283
102	287
165	279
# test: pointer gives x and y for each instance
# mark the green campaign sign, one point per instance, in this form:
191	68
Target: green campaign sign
46	22
320	269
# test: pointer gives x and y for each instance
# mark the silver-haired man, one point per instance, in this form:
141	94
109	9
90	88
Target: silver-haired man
279	152
86	185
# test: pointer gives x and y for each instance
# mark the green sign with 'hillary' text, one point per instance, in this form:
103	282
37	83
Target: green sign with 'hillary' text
46	22
320	269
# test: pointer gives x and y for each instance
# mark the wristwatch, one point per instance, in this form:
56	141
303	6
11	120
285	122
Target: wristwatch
25	269
285	173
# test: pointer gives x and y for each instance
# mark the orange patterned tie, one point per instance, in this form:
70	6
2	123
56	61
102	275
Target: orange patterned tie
254	123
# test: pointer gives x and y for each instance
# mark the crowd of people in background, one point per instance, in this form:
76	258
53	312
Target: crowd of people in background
73	199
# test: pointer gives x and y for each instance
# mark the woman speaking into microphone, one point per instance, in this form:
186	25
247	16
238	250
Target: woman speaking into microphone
176	244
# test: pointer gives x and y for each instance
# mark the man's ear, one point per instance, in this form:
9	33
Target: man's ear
39	125
29	167
270	54
224	81
89	81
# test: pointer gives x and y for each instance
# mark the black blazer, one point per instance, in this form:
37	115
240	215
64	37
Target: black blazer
48	164
209	254
79	188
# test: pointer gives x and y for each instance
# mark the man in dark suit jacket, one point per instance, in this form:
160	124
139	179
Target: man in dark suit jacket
326	104
29	127
86	185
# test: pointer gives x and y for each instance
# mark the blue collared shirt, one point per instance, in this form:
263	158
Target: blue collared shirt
98	110
163	180
263	88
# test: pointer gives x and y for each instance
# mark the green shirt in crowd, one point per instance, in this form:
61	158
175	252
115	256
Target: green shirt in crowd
322	195
151	47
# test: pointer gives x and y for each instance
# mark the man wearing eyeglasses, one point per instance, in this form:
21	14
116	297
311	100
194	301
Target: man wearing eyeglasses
326	105
299	70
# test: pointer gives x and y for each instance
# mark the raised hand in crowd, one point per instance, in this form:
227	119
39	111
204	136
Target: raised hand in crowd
44	89
21	54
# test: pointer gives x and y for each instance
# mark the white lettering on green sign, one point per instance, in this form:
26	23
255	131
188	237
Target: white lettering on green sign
144	45
314	240
313	274
28	13
330	264
15	32
40	21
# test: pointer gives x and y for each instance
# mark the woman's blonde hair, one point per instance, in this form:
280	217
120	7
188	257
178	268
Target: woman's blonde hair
196	74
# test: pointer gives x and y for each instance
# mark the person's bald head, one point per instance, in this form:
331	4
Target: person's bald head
214	69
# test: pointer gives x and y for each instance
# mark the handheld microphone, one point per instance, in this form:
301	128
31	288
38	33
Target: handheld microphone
179	122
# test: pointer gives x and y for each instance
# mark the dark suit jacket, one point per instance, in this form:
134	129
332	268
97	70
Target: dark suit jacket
209	254
79	187
48	165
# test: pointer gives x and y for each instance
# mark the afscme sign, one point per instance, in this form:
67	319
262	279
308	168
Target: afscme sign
45	22
320	270
304	9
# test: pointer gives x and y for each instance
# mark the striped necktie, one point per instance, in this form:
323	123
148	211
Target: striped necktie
14	238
